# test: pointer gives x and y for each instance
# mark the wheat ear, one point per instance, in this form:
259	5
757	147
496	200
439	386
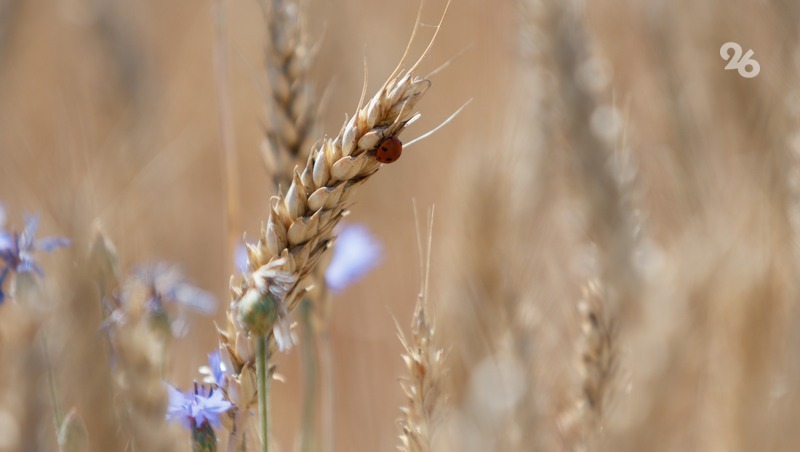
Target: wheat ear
300	228
301	221
425	363
291	119
140	352
581	425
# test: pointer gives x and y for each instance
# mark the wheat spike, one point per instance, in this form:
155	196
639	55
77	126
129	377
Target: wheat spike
423	387
300	227
291	120
301	221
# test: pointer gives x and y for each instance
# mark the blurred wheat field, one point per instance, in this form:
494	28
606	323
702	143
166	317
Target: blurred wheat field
614	253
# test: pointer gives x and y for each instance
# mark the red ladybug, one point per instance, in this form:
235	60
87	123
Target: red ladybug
389	150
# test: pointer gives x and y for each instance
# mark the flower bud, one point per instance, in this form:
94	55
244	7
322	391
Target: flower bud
257	312
72	436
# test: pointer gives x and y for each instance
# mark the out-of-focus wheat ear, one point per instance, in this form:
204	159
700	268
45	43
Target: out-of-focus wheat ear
607	223
139	353
291	113
581	424
597	349
424	385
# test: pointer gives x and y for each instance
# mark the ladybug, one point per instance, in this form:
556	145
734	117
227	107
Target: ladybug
389	150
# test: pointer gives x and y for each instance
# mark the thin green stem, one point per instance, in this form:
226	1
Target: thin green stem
51	383
262	356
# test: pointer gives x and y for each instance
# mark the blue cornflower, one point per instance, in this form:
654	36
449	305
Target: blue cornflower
163	285
193	409
167	285
17	249
355	253
215	371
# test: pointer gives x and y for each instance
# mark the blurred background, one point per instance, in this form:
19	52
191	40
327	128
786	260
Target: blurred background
605	146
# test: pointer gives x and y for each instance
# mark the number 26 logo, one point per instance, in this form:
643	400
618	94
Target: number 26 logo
739	62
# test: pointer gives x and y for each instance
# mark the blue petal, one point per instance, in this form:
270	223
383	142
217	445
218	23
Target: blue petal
192	297
6	241
216	366
27	265
209	408
240	257
28	234
50	243
355	253
179	406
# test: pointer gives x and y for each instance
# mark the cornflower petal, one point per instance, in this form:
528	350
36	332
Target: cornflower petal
209	408
215	371
31	225
27	265
6	241
355	253
194	409
50	243
179	406
240	259
17	250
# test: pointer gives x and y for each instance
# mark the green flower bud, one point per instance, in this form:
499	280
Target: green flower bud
257	312
204	439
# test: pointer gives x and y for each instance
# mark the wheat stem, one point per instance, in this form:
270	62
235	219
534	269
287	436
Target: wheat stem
229	165
327	403
262	359
51	384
